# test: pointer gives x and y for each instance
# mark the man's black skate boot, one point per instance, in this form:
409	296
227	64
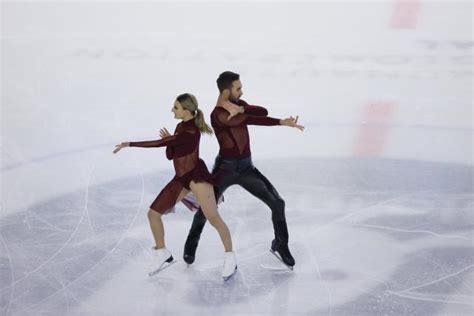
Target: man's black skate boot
284	253
190	249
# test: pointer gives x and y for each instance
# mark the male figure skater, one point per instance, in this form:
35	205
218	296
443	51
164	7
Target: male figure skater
229	119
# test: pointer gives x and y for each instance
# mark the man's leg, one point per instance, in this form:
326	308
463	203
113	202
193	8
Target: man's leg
199	220
259	186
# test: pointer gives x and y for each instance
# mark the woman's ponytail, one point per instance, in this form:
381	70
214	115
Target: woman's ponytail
201	124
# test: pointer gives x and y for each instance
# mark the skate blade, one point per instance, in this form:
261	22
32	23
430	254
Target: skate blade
230	276
281	260
164	266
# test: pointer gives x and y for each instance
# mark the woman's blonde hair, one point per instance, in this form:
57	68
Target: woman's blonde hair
189	102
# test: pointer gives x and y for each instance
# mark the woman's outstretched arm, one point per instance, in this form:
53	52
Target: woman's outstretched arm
172	140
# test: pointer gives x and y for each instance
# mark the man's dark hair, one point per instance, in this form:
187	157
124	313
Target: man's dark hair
225	80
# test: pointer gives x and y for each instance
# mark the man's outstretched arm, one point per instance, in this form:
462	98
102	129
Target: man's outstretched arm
244	119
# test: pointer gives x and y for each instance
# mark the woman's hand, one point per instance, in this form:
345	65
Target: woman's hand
164	133
292	122
120	146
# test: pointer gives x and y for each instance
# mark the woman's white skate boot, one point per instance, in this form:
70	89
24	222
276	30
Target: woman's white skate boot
230	265
162	259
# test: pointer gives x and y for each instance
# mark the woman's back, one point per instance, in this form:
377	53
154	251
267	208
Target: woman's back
185	154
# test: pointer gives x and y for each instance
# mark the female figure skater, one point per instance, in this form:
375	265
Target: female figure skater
191	175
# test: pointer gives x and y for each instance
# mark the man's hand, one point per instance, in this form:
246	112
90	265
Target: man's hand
232	108
120	146
292	122
164	133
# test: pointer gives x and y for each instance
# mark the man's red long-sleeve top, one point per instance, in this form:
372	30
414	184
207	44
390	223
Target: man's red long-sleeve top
233	134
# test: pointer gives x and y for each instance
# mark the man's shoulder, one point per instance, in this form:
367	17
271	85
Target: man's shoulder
214	111
217	110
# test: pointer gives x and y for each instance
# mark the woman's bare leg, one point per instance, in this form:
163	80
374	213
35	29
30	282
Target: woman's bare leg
204	194
156	223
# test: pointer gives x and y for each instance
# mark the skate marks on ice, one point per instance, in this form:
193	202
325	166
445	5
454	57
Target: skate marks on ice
50	250
365	240
401	232
414	288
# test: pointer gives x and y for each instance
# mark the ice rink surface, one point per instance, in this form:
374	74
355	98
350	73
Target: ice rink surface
378	188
